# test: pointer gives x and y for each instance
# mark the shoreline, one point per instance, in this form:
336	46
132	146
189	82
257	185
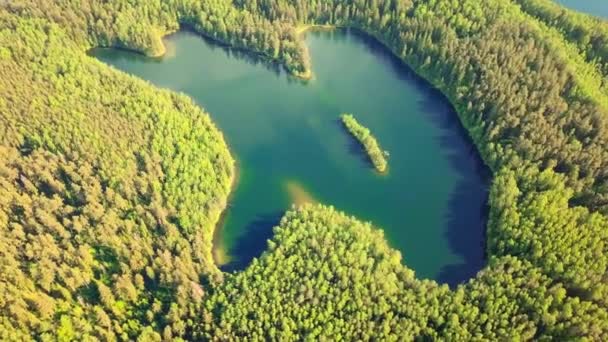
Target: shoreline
306	75
218	250
300	30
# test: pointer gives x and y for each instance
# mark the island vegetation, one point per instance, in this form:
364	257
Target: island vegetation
110	188
376	155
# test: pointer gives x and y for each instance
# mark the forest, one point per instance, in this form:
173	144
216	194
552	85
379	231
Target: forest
110	188
367	140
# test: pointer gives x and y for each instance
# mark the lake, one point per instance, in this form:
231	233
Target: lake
598	8
289	146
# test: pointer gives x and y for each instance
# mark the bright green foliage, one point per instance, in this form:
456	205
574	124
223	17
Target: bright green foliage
525	90
367	140
530	218
140	24
588	33
109	193
110	189
327	276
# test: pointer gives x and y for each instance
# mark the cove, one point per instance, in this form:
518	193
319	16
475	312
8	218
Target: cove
290	146
598	8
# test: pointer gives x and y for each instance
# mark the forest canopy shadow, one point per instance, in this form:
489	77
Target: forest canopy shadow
253	242
466	226
465	229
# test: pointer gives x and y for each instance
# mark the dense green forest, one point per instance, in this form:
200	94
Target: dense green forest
359	290
367	140
111	188
590	35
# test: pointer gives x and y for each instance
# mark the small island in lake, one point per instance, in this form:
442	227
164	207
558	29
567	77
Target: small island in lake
369	142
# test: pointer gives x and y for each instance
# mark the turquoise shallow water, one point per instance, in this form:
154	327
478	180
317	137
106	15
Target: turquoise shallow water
289	143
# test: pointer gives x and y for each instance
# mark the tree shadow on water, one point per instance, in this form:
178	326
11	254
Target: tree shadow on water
465	233
252	242
467	212
384	55
239	53
354	147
